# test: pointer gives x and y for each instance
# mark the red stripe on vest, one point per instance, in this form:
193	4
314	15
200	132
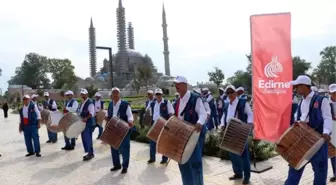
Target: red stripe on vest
177	107
25	121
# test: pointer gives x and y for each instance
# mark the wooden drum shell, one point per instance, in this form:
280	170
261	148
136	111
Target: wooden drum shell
45	117
148	117
156	128
115	132
100	116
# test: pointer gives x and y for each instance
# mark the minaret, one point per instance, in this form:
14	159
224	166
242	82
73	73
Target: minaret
121	35
165	42
92	49
130	32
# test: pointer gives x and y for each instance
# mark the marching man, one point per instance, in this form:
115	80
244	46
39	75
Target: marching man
212	122
150	97
71	105
220	102
241	92
29	124
332	92
51	105
189	107
238	108
163	108
313	111
122	110
87	114
99	105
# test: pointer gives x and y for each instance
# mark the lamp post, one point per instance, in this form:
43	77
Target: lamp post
110	59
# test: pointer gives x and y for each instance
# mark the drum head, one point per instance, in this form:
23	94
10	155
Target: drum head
75	129
190	147
310	153
55	117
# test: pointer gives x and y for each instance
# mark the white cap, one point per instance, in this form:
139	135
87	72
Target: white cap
240	89
301	80
34	96
150	92
313	88
69	93
158	91
332	88
26	96
115	89
180	79
197	90
46	94
97	94
221	89
84	91
321	91
230	87
177	94
205	89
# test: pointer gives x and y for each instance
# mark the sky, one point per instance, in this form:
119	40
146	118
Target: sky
202	34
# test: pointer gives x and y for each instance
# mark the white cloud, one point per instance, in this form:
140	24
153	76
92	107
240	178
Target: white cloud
202	34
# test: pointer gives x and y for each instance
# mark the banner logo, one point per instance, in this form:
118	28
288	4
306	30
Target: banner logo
273	68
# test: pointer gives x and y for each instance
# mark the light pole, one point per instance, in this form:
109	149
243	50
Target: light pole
110	59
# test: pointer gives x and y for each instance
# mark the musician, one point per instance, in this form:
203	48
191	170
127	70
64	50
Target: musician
241	109
87	113
121	109
150	98
50	104
294	108
220	102
314	111
189	107
332	92
212	121
99	105
30	123
314	89
71	105
241	92
160	107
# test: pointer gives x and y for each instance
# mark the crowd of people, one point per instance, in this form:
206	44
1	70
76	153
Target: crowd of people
197	107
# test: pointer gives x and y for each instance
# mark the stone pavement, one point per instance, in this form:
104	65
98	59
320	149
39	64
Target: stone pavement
57	167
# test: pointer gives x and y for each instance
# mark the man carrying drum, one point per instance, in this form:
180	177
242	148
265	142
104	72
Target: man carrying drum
150	98
51	105
241	109
212	122
71	105
332	92
189	107
220	102
87	114
313	111
241	92
163	108
30	123
122	110
99	105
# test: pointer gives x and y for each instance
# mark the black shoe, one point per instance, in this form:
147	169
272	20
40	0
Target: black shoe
246	181
71	148
88	157
54	141
30	154
235	177
49	141
163	162
115	168
150	161
38	155
333	179
124	170
64	148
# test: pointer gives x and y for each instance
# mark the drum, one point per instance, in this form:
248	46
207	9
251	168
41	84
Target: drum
148	117
55	118
45	117
156	128
235	136
100	116
72	125
331	150
177	140
298	145
115	132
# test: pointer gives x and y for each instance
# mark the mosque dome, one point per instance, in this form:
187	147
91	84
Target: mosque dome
133	53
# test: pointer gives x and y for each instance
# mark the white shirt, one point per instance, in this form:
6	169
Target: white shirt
116	110
232	110
326	112
25	111
207	108
149	102
54	105
157	105
74	106
90	108
199	108
97	105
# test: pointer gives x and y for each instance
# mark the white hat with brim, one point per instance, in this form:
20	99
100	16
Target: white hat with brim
115	89
158	91
46	94
97	94
313	88
69	93
240	89
180	79
221	89
301	80
332	88
150	92
197	90
34	96
26	96
230	87
84	91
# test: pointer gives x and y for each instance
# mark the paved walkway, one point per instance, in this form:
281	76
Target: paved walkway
57	167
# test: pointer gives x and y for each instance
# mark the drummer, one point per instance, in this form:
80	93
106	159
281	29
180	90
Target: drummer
150	98
189	107
160	107
29	124
332	92
99	105
121	109
87	113
220	102
212	122
314	111
71	105
51	105
241	109
241	92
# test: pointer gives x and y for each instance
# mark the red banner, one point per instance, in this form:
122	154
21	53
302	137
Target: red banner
272	71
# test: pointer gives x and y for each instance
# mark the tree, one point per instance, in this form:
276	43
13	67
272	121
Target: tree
145	73
136	82
91	90
62	72
300	66
216	77
243	78
33	72
325	72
